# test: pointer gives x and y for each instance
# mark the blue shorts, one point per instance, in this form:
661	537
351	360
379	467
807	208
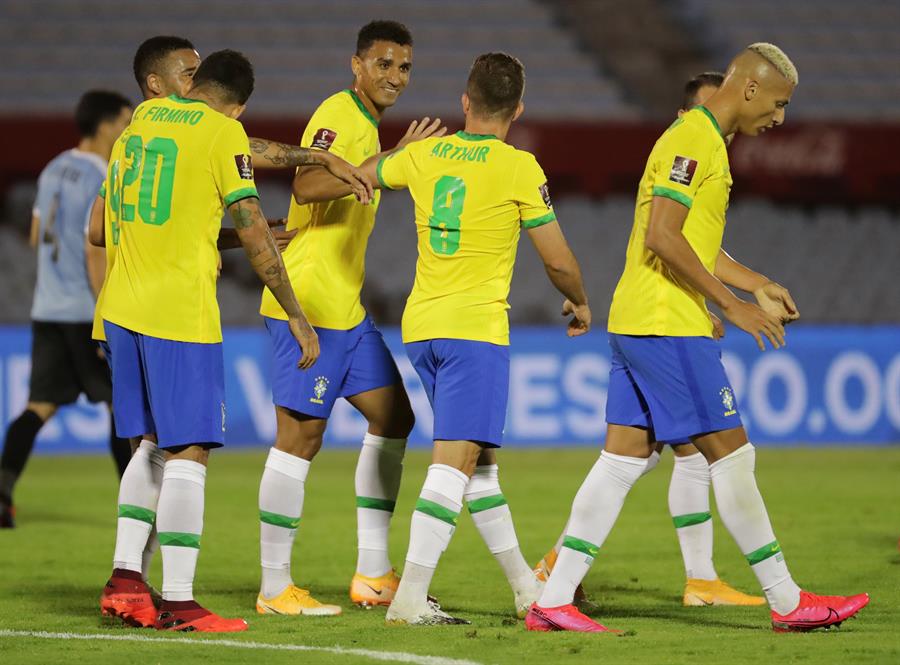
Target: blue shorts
467	384
175	390
351	362
674	386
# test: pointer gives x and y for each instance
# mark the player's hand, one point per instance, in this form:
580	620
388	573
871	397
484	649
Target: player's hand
282	238
307	339
422	129
777	301
718	326
755	320
359	183
581	318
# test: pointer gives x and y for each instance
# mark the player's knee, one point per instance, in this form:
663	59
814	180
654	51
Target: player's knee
305	446
43	410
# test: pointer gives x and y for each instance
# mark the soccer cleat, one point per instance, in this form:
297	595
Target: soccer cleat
189	617
565	617
369	592
430	615
128	599
7	515
542	571
295	600
819	612
702	593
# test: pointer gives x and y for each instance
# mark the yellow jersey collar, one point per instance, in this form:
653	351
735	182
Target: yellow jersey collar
711	117
362	107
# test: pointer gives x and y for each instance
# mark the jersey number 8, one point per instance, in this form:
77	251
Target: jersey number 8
449	196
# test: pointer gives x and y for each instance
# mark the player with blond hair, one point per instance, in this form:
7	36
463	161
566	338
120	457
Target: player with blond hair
667	382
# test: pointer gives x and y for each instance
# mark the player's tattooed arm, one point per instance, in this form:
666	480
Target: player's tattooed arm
255	236
228	238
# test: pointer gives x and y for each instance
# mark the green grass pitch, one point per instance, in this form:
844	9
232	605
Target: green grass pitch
834	511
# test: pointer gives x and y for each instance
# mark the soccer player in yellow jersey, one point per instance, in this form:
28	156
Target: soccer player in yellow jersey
179	163
326	262
666	381
689	489
473	194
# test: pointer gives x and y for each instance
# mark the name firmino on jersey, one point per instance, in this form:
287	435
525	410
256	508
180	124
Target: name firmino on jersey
181	116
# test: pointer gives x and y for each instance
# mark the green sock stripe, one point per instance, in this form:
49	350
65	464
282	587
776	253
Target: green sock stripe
375	504
176	539
437	511
582	546
486	503
279	520
137	513
763	553
690	519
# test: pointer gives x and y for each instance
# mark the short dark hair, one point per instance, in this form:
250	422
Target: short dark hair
496	83
693	86
382	31
228	70
95	107
151	53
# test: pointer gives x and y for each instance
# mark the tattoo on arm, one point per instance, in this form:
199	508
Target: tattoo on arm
282	154
242	214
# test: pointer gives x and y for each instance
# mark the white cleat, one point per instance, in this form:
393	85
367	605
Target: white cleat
429	614
527	594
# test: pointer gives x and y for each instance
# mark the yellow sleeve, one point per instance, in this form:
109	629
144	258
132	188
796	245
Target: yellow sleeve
393	170
683	156
532	194
331	128
231	165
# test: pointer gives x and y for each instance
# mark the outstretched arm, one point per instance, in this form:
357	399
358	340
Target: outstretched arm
271	154
665	239
253	231
565	274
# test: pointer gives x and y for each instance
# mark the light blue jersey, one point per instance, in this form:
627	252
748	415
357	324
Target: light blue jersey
67	188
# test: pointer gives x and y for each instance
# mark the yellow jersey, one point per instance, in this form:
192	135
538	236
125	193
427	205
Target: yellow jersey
688	164
111	240
172	172
326	260
472	194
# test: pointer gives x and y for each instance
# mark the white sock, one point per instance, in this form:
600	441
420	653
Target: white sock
689	507
594	511
180	524
280	507
433	523
652	461
138	498
744	514
493	519
378	473
150	549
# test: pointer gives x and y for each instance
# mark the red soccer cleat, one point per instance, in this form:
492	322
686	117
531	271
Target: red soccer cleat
565	617
188	616
819	612
127	597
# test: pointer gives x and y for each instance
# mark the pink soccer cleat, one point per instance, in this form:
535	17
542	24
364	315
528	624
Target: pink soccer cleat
565	617
819	612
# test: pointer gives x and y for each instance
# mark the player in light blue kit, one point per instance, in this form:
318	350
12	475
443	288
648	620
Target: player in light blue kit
64	359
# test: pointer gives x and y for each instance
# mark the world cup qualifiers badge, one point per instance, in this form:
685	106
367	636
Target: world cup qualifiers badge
319	388
728	401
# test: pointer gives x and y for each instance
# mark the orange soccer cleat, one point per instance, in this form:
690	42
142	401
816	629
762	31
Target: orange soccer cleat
819	612
188	616
370	592
702	593
542	571
127	597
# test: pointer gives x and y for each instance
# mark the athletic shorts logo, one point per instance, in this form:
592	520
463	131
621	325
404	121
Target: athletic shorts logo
324	138
244	166
683	170
545	194
223	416
319	388
728	401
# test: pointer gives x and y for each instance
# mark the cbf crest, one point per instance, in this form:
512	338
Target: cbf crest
728	401
319	388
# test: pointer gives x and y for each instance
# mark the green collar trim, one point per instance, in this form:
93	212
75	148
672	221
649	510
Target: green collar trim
711	117
362	107
185	100
475	137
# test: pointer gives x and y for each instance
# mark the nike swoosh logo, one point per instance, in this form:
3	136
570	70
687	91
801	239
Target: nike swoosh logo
377	592
832	616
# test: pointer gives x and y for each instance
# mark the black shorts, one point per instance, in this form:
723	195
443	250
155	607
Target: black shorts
65	363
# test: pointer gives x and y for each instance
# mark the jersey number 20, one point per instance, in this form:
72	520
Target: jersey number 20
156	158
449	196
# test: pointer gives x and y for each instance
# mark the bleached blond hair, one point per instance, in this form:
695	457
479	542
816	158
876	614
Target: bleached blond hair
778	59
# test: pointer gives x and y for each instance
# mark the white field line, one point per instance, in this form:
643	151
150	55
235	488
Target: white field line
391	656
